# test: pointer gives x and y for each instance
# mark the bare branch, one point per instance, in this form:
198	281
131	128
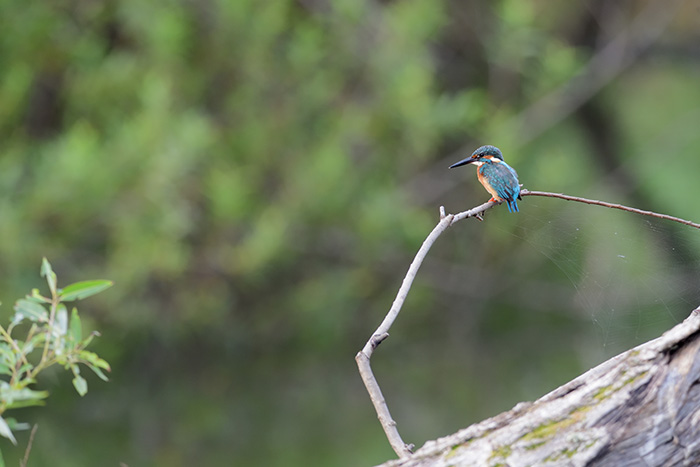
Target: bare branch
382	331
23	462
363	357
609	205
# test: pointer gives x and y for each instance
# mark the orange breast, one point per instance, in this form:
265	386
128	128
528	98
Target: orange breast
488	186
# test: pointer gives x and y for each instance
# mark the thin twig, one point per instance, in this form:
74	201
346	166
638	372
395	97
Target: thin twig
446	220
609	205
49	333
23	358
23	462
382	332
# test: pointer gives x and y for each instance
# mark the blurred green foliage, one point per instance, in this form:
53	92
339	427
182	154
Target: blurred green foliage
256	177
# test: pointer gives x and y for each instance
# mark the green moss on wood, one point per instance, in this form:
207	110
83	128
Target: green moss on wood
634	379
546	430
534	446
503	451
603	393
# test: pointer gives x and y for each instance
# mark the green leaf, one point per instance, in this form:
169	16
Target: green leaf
23	383
36	341
47	272
17	426
7	354
89	339
2	460
61	322
22	397
80	385
5	370
98	372
83	289
75	328
30	310
91	357
26	403
6	432
35	296
9	359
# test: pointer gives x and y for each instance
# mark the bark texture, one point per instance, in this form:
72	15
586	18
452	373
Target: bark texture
640	408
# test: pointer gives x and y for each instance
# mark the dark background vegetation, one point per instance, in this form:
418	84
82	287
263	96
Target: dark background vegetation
256	177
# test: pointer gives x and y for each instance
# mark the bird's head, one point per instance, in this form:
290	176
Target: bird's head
483	154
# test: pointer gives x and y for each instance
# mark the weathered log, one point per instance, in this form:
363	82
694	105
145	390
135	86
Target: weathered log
640	408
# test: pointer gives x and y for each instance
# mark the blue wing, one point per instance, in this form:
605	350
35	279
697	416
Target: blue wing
503	179
515	174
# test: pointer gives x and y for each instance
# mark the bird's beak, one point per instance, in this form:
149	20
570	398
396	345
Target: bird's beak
463	162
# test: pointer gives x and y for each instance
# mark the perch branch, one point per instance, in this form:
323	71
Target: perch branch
363	357
609	205
382	332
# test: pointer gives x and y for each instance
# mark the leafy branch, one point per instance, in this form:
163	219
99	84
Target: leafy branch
363	357
53	338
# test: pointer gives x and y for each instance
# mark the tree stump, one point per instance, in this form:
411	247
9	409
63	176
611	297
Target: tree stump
640	408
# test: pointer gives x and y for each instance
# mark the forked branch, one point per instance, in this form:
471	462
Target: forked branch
363	357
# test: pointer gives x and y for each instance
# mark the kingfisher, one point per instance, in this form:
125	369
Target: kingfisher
499	179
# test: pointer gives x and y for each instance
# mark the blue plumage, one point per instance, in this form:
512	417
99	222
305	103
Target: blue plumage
499	179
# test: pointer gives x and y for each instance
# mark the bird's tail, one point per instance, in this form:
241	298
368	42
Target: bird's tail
512	205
